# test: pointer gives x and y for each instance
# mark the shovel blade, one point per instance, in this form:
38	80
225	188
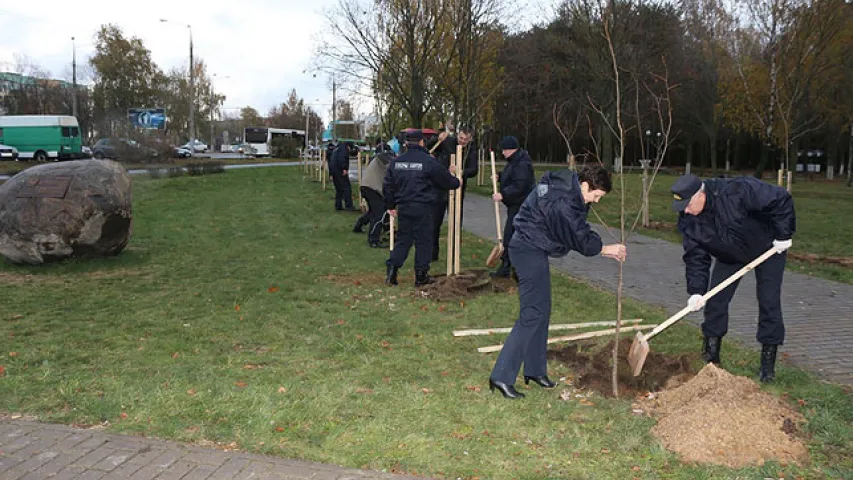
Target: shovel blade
493	257
637	354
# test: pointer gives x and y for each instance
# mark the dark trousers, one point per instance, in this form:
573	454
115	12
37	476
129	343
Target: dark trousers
375	214
528	341
768	279
415	226
343	191
508	230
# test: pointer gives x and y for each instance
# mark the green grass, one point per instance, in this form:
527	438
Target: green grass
824	218
11	167
245	311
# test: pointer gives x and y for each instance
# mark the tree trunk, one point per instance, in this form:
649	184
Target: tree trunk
850	157
607	147
689	162
762	161
728	154
712	144
738	153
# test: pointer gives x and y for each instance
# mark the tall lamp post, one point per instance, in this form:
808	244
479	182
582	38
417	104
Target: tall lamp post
73	78
192	85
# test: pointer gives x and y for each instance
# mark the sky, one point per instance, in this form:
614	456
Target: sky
258	49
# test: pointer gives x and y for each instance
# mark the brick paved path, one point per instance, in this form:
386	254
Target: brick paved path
818	313
34	451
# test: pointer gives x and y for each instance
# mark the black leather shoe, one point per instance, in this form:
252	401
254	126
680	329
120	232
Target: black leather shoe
768	363
391	276
377	245
508	391
423	278
503	271
711	349
543	381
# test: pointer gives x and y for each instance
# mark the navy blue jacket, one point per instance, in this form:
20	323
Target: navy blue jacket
469	164
415	177
741	218
553	218
340	159
516	179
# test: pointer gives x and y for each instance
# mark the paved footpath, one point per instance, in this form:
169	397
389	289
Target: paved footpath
35	451
818	313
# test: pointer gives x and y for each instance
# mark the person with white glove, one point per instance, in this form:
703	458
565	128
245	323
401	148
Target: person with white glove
732	222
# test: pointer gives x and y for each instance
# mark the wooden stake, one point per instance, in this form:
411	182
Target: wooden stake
391	226
571	338
458	219
451	212
790	180
358	163
323	175
563	326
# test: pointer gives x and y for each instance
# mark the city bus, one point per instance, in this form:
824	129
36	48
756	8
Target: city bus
42	137
261	139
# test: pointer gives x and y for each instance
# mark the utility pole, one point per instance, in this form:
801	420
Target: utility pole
212	138
192	102
73	78
334	111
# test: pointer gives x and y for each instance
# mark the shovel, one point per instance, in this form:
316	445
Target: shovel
640	348
498	250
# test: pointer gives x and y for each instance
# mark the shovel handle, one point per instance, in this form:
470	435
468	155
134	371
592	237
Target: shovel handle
497	207
725	283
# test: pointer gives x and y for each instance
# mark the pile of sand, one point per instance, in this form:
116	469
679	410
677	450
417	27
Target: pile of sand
720	418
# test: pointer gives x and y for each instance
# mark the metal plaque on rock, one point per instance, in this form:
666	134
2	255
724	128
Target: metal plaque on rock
55	187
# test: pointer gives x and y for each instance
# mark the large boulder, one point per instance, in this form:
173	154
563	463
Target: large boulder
59	210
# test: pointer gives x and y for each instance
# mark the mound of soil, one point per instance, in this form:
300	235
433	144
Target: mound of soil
467	284
724	419
591	361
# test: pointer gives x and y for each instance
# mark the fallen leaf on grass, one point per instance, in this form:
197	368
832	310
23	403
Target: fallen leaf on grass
565	395
240	384
441	308
2	370
424	308
272	289
279	429
123	415
357	283
13	354
359	337
341	321
282	390
635	468
252	366
364	391
445	373
605	450
237	308
426	390
176	355
191	392
385	344
472	388
802	402
586	402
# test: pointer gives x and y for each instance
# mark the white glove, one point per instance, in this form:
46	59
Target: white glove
695	302
781	245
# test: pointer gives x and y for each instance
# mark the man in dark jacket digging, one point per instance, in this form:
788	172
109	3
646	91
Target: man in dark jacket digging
551	223
516	182
735	221
371	190
412	185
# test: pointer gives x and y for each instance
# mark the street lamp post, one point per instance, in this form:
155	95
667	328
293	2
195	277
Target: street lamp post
648	142
192	85
73	78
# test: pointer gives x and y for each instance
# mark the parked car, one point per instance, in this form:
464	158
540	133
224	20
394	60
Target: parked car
122	149
8	153
86	151
197	146
181	152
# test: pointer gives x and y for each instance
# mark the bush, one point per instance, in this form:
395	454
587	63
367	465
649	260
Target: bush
284	147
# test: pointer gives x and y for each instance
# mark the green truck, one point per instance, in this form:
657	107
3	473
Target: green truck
42	137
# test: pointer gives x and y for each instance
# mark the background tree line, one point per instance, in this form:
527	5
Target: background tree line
751	84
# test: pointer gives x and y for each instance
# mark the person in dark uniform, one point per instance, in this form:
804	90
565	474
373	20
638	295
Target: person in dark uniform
470	166
516	182
339	171
371	189
735	221
411	187
551	223
330	151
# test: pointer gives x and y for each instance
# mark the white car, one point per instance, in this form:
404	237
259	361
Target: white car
198	146
8	152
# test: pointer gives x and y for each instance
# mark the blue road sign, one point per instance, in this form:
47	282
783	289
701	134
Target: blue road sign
152	118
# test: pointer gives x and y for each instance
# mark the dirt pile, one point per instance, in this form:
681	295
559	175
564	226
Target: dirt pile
591	361
467	284
724	419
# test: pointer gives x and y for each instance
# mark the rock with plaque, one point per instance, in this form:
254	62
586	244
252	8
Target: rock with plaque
68	209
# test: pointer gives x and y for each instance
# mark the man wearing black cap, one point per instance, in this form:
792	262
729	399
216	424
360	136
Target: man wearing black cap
411	187
735	221
339	170
516	182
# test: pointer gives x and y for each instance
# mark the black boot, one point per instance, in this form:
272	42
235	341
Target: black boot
391	276
768	363
376	244
504	270
508	391
358	224
423	278
711	349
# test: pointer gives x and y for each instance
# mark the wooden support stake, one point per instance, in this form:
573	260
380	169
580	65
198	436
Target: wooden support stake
563	326
790	180
458	220
391	226
451	214
358	166
571	338
779	177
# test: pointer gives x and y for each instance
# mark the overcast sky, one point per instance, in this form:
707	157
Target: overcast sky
257	48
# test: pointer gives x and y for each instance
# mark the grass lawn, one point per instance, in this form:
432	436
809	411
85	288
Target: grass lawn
245	313
11	167
824	218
